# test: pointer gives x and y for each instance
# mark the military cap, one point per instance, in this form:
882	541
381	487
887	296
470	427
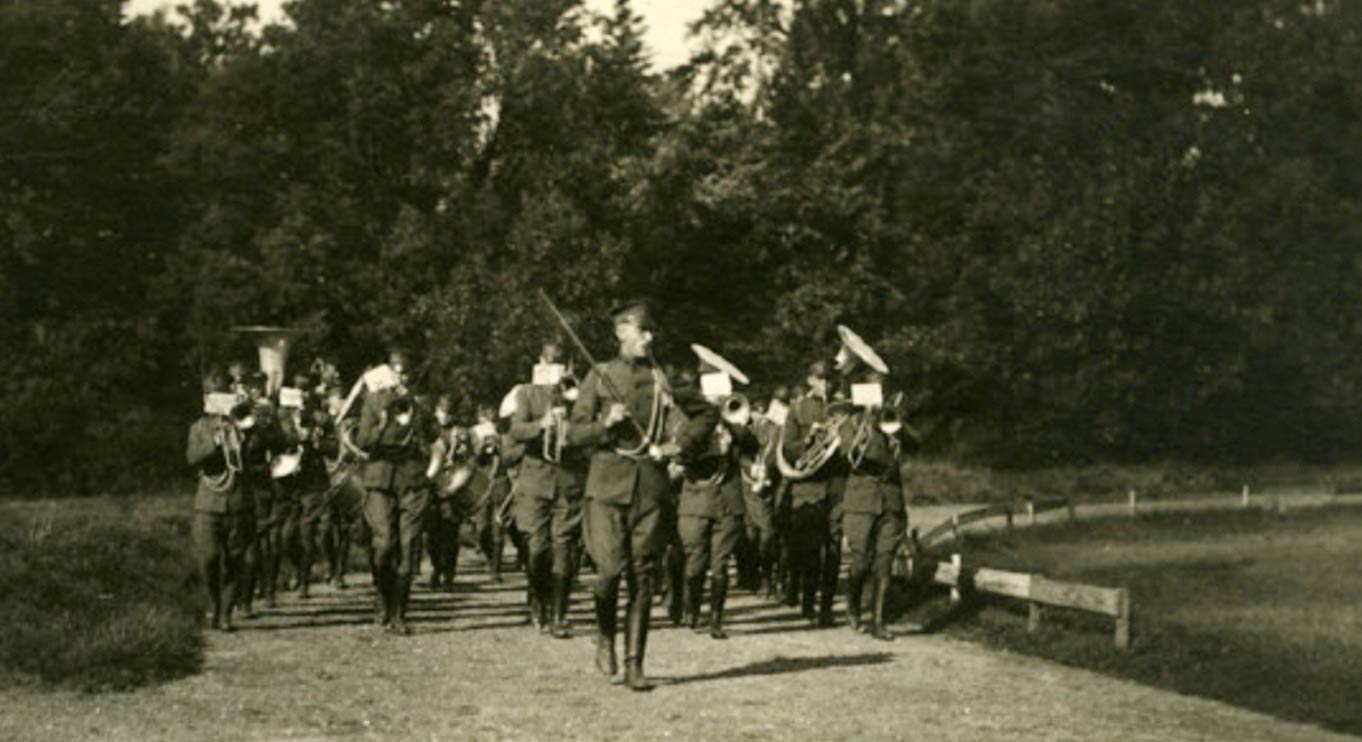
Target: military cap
635	311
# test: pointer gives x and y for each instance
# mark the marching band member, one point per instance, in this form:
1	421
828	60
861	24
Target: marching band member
875	516
395	438
450	469
320	443
491	482
760	481
224	522
710	511
257	453
548	491
620	413
815	502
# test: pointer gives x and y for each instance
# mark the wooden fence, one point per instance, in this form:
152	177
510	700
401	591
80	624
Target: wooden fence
1037	590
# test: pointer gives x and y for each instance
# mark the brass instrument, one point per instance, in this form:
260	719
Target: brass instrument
885	418
824	439
554	437
230	441
736	410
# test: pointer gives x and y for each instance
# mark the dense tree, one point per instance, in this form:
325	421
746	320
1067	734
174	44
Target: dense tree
1076	228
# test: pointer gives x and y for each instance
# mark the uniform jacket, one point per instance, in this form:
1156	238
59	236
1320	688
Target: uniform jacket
398	454
613	478
203	453
538	477
828	482
874	484
712	483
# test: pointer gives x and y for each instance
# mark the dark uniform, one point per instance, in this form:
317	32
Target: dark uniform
875	516
491	484
453	463
395	500
548	507
711	509
815	514
626	494
264	442
224	518
759	502
318	506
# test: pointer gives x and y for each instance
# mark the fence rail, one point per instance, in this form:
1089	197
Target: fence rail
1037	590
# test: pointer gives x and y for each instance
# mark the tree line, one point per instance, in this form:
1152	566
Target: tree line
1076	229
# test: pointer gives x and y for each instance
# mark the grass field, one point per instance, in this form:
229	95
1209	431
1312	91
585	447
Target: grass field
98	594
1259	609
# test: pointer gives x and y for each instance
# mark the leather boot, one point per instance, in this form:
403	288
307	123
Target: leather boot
809	589
718	588
827	585
640	608
854	583
606	617
881	630
401	592
694	590
562	594
383	607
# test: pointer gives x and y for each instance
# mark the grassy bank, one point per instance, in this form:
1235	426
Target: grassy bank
937	482
1256	609
99	594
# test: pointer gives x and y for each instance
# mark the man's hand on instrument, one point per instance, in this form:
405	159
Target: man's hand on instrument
665	451
548	421
615	415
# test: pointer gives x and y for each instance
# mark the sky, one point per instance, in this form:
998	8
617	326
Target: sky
666	22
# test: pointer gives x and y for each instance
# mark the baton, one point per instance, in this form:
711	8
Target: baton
605	378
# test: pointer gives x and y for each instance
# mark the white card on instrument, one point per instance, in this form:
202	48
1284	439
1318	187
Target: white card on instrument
715	385
291	397
547	374
867	395
219	403
382	377
777	412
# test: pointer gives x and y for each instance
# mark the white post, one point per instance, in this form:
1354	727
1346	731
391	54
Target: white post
959	564
1244	501
1132	503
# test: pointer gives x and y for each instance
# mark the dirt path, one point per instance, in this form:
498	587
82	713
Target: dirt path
473	671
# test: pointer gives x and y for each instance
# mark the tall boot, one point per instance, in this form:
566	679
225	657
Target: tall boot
640	609
383	602
562	594
718	588
498	546
808	578
401	593
607	610
827	587
881	630
854	583
544	585
694	589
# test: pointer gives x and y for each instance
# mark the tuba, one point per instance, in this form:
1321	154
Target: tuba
736	410
272	344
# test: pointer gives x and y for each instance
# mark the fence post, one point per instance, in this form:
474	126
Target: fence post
1123	621
1009	518
1073	515
1132	503
1244	501
959	564
1033	618
1030	512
